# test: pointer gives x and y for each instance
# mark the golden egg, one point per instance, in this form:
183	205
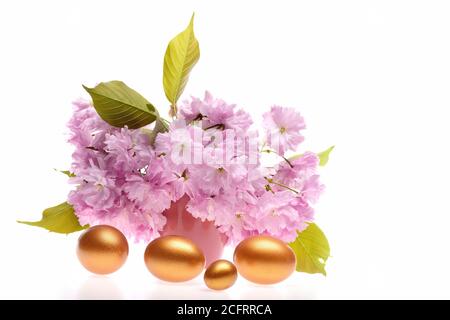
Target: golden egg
220	275
264	260
102	249
174	259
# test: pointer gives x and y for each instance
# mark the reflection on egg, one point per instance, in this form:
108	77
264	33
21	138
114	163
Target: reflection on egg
264	260
102	249
220	275
174	259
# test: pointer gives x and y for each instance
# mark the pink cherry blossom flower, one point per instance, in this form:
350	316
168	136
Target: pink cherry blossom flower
301	166
283	127
274	215
302	176
95	188
215	113
208	154
182	145
128	149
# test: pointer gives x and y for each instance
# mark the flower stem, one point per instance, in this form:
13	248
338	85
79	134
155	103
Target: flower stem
165	120
216	126
173	110
270	180
284	158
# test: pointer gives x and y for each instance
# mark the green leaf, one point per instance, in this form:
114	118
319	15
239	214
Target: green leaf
120	106
182	54
324	155
66	172
59	219
312	250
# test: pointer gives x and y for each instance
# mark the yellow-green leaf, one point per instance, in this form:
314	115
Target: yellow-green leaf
120	106
66	172
324	155
311	249
182	54
59	219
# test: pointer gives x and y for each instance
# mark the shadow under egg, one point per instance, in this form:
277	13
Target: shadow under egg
99	288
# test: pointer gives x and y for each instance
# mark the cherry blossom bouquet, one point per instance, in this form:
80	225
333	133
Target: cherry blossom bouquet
130	164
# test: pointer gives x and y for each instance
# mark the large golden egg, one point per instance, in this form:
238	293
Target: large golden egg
220	275
174	259
102	249
264	260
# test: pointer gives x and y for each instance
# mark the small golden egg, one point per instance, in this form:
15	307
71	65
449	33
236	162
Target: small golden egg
102	249
220	275
174	258
264	259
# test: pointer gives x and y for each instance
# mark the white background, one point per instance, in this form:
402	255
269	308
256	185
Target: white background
371	77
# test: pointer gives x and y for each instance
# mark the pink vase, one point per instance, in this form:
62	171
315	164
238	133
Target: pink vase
203	233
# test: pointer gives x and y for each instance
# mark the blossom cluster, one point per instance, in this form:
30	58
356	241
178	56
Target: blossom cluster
210	154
